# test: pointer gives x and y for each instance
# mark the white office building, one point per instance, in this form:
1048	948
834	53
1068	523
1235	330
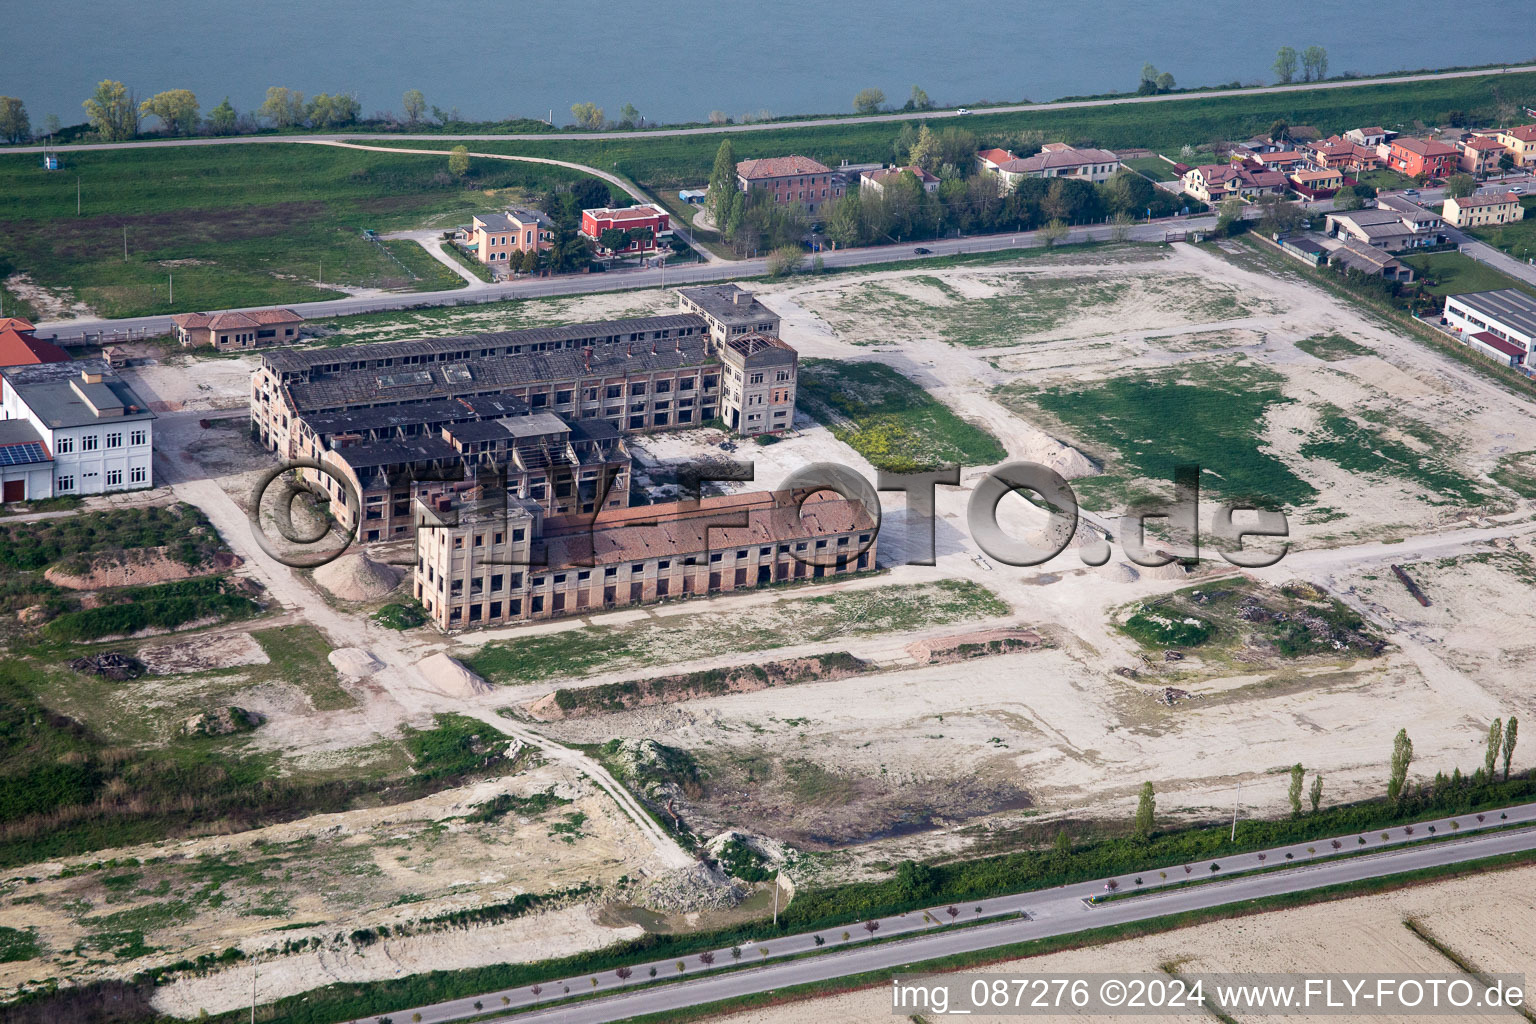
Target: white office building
97	434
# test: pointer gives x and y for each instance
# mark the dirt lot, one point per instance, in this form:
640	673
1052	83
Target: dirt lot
1363	935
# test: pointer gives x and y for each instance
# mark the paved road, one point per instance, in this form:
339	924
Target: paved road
1059	911
618	280
816	122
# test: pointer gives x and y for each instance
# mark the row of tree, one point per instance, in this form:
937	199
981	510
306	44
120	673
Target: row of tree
1313	62
590	115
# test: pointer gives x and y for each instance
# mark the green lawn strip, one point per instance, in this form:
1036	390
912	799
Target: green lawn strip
1517	239
300	655
1143	425
468	262
1363	448
589	649
684	161
1085	939
1453	273
891	421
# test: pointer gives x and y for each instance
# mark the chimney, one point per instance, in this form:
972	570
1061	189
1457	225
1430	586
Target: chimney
741	297
90	376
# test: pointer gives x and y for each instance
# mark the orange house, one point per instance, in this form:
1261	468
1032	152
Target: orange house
1414	157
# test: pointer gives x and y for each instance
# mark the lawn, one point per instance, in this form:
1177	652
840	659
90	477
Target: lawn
1451	273
705	634
1384	178
1517	239
238	225
1332	347
889	420
1153	167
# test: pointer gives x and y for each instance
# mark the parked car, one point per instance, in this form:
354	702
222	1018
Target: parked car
963	110
923	252
1517	189
1410	191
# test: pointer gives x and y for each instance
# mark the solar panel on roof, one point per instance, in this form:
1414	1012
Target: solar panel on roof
22	454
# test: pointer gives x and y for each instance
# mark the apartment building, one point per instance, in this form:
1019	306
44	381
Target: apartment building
1414	157
1483	210
1212	183
1479	154
790	179
1520	144
94	432
484	559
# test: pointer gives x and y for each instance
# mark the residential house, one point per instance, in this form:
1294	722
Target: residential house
1479	154
1499	324
1212	183
1415	157
493	237
1055	160
1394	225
876	180
1520	144
790	179
1284	161
1355	255
233	331
495	561
1316	184
1488	209
95	430
1369	137
646	227
1336	153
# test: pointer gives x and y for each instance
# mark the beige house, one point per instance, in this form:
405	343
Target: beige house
1486	210
876	180
226	331
1479	154
1055	160
493	237
1520	143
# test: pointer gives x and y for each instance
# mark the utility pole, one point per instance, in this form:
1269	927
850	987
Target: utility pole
1235	806
77	195
170	284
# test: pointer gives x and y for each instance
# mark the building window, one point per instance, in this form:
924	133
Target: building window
136	475
66	445
65	483
115	439
89	442
114	478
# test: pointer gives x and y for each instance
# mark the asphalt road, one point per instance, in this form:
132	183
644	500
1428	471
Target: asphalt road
815	122
1051	912
615	280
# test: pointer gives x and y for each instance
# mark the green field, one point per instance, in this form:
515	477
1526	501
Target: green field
1141	426
1332	347
238	225
1451	273
889	420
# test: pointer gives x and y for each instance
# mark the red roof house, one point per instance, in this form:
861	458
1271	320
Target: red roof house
20	347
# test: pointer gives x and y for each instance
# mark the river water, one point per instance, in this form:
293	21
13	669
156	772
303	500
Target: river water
680	59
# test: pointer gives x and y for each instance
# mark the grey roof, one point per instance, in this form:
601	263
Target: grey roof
469	345
1506	305
492	374
534	424
50	391
432	415
25	445
1357	254
371	454
718	301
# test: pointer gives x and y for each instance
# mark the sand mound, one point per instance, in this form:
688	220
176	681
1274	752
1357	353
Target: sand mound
135	567
356	577
450	676
1171	571
354	661
1062	458
1119	572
